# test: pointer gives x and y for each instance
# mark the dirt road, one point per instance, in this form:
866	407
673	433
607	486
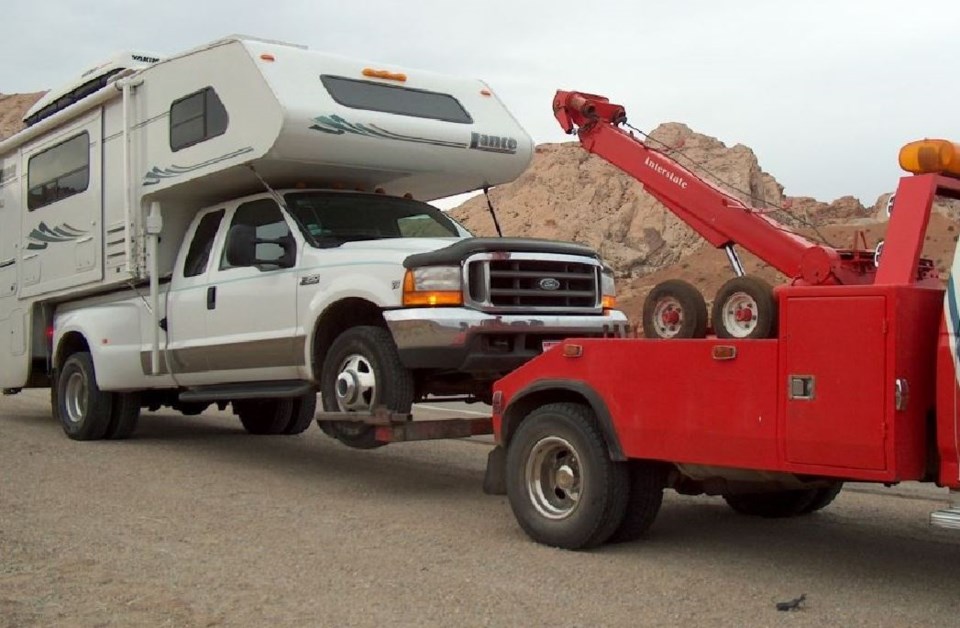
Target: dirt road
195	523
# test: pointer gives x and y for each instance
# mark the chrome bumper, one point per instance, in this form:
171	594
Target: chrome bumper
470	340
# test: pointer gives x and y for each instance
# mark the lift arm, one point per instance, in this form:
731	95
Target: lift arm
722	219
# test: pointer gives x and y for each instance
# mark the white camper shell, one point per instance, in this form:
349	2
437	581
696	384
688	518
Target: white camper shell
136	206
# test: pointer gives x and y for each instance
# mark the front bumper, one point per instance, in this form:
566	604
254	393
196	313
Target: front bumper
470	341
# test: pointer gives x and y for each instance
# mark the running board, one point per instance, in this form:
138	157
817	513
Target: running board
248	390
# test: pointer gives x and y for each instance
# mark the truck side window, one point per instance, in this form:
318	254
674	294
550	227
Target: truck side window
265	217
202	244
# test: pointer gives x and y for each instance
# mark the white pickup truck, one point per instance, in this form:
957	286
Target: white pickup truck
238	225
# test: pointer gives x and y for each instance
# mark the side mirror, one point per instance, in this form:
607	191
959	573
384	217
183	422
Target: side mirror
241	248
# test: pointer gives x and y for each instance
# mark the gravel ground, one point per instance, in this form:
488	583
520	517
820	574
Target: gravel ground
195	523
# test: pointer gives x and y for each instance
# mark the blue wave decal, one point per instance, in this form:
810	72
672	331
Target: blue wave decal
156	174
335	125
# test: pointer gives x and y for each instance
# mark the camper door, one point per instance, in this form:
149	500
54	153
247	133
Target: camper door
61	230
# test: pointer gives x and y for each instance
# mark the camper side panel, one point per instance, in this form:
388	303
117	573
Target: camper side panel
14	355
61	234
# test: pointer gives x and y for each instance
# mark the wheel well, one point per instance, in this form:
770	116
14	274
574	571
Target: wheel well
528	402
336	319
72	342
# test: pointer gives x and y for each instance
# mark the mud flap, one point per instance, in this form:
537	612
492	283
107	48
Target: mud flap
495	479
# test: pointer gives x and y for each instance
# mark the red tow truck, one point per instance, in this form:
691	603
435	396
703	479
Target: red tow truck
847	372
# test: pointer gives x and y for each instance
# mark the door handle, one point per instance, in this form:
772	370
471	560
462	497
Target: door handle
211	297
8	262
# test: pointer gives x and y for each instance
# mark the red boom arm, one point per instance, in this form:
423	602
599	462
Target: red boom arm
722	219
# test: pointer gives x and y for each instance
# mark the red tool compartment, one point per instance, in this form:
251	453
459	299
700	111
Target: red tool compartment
856	364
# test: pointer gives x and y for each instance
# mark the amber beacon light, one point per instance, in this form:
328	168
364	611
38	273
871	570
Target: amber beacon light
931	156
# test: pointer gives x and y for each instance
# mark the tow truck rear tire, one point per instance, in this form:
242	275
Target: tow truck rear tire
823	498
745	308
674	309
647	481
83	409
361	372
564	489
773	504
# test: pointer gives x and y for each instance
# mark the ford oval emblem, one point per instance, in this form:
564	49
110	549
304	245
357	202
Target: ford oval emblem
549	283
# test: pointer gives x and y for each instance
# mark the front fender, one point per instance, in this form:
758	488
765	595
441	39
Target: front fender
556	390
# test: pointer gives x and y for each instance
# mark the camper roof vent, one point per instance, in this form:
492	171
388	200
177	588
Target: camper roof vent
90	82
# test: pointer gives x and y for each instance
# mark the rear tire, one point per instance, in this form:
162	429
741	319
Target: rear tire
823	498
361	372
304	410
125	415
264	416
647	480
563	488
772	505
83	409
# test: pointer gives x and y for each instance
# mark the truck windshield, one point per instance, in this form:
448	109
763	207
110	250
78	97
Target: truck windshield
332	218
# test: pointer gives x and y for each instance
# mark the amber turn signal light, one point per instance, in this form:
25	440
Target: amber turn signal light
429	298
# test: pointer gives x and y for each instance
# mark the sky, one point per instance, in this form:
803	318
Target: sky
824	92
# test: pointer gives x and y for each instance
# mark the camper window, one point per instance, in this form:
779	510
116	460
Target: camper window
197	118
403	101
59	172
202	244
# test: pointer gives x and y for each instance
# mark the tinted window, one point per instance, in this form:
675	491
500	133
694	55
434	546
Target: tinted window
394	99
196	118
330	219
268	223
202	244
59	172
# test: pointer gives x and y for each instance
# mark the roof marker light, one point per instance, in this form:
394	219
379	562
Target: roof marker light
384	74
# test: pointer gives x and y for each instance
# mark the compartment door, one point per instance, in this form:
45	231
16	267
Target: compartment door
61	232
835	359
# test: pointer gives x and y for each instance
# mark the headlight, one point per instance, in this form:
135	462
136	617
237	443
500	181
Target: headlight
608	289
433	285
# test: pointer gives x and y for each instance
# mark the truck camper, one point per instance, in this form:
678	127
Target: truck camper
246	223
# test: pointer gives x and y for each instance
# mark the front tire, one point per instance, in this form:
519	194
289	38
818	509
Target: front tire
83	409
361	372
563	488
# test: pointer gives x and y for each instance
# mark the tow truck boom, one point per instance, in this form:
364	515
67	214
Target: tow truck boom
722	219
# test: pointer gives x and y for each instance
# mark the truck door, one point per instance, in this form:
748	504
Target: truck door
251	303
62	227
187	304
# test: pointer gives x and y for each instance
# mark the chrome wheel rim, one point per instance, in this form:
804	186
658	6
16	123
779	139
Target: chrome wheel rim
667	317
740	314
75	397
356	385
554	478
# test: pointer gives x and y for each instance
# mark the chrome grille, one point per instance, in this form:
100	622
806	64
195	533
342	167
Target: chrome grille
561	283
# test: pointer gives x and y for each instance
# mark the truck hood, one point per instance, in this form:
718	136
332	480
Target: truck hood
409	246
459	250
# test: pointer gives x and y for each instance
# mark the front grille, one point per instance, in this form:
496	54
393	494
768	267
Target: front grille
522	284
